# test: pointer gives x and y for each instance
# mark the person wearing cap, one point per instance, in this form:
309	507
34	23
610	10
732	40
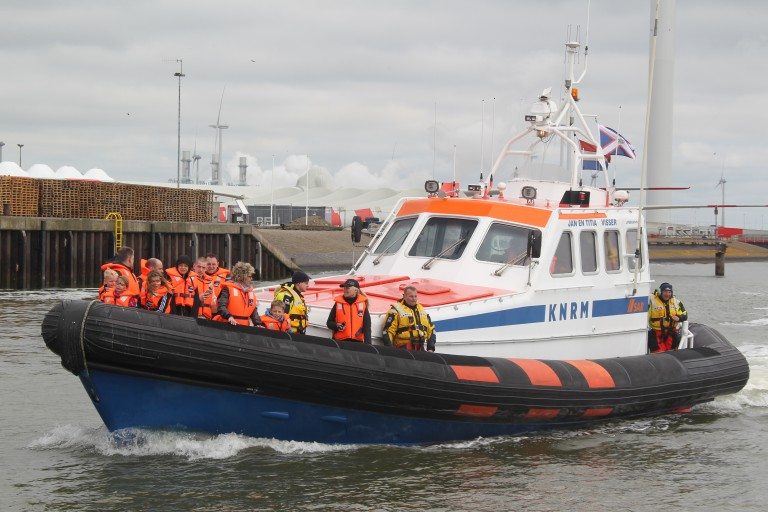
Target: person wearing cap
291	294
408	325
237	303
186	301
349	319
665	316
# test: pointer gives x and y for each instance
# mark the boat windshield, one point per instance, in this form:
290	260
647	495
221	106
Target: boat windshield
442	233
506	244
395	237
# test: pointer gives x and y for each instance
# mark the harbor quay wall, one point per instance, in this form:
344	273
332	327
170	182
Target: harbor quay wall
39	252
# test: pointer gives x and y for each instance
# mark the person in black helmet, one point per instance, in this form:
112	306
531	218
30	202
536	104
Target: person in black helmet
291	294
665	317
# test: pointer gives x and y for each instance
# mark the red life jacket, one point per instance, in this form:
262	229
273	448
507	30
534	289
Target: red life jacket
351	315
272	323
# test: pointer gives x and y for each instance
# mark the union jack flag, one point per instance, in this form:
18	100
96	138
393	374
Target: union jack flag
613	143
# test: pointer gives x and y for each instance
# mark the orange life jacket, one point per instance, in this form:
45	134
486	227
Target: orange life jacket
107	295
241	304
133	284
126	299
351	315
208	305
157	301
184	288
271	322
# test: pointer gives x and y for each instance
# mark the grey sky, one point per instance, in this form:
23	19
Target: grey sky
90	84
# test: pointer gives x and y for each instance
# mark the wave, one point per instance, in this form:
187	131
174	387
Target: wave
142	443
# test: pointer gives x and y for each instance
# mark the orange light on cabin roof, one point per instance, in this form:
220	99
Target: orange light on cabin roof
575	93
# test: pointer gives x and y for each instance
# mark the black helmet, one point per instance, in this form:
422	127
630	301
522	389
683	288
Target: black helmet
665	286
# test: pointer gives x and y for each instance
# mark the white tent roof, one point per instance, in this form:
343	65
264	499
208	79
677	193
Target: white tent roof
11	169
67	172
97	174
41	171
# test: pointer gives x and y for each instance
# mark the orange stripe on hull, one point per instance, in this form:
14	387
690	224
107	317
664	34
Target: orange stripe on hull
478	208
542	414
475	373
483	411
539	373
597	412
597	376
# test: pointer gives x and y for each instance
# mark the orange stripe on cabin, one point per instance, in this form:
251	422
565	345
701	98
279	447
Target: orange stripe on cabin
483	411
542	413
597	412
539	372
594	215
597	376
475	373
529	215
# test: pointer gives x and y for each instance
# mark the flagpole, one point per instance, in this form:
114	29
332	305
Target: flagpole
644	167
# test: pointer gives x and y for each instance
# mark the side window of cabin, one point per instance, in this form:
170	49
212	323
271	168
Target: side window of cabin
562	262
612	261
395	237
588	251
631	247
443	237
505	244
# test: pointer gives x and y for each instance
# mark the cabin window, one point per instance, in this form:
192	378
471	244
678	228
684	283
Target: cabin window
505	244
562	262
443	237
588	251
395	237
631	247
612	261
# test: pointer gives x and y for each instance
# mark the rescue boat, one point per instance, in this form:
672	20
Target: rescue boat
538	289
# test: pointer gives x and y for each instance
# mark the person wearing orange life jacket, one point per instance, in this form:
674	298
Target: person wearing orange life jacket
237	302
123	265
186	301
146	267
156	296
107	289
349	319
292	296
665	316
408	325
275	318
213	275
122	296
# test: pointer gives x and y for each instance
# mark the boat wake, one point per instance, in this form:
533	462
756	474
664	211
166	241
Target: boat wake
143	443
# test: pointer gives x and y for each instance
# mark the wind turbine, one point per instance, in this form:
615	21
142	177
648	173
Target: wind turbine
196	158
217	145
722	183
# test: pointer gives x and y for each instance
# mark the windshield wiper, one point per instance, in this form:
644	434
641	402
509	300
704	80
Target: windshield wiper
515	260
442	253
386	249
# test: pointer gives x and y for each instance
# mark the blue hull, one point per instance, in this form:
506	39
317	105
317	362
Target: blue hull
126	401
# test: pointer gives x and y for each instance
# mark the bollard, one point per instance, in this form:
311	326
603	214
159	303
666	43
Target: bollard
720	260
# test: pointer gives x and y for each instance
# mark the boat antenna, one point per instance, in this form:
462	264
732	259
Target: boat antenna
454	163
586	44
434	143
493	126
644	167
482	135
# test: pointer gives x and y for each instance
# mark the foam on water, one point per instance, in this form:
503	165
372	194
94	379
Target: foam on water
142	443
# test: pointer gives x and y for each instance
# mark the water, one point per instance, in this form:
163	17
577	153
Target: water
56	455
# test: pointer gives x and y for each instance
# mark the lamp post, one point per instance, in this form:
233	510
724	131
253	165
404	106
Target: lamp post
179	75
20	146
272	195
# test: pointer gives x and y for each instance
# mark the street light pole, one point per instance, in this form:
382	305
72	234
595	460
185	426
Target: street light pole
272	195
306	210
20	146
179	75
